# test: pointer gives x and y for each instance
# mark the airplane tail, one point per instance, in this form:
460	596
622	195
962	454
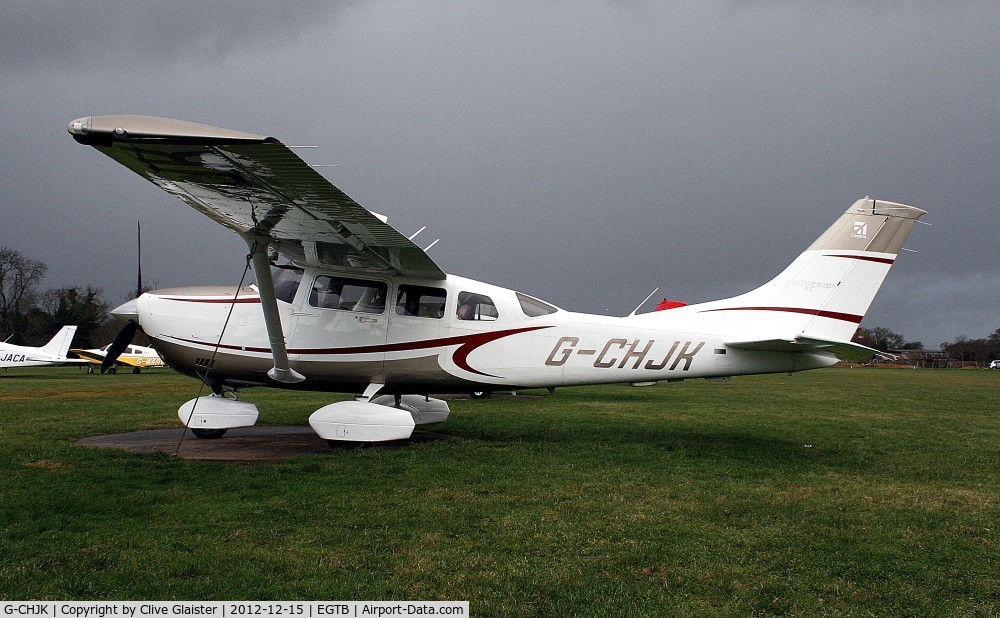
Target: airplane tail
59	345
818	301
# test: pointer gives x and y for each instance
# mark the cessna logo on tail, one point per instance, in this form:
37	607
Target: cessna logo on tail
860	230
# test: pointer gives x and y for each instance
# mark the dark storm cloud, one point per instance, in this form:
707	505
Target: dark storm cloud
44	35
583	152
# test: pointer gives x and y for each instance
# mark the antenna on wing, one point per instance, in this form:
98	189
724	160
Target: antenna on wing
428	247
655	290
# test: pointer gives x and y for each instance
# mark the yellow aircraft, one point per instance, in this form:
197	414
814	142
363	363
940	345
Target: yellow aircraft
135	356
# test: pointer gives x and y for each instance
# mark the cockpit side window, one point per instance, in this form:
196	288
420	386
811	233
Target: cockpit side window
532	307
473	306
286	278
420	301
348	294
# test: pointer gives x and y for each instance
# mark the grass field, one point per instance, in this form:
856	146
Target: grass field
837	492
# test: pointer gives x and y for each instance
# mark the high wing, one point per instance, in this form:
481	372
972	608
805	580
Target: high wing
257	187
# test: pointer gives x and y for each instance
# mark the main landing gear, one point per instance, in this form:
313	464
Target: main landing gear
344	424
208	434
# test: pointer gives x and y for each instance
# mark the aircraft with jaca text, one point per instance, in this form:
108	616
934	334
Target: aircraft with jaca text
343	302
52	353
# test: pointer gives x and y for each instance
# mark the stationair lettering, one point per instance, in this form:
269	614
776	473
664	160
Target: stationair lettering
622	352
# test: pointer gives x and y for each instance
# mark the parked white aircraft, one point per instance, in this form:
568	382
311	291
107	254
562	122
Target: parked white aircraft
357	307
52	353
135	356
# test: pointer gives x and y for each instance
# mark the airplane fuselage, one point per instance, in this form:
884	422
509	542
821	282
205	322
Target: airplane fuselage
52	353
422	336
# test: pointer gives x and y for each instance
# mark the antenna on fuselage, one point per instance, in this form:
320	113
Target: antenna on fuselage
655	290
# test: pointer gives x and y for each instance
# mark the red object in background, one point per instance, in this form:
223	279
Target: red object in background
669	304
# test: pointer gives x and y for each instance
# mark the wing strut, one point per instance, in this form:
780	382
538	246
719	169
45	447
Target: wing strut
281	372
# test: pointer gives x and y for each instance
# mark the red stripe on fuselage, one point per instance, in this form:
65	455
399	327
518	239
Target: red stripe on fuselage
866	258
833	315
467	344
237	300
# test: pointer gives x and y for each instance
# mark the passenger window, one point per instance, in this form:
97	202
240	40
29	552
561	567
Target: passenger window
419	301
532	307
476	307
348	294
286	277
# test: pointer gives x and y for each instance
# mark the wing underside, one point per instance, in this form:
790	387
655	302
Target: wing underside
257	187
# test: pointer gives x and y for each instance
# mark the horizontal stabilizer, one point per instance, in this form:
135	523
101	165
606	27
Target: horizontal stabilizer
843	350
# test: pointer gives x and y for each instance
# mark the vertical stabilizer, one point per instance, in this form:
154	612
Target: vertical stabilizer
59	345
825	292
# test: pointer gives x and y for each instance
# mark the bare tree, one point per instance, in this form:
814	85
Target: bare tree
19	275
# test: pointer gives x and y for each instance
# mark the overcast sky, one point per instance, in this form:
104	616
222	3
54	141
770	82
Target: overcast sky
584	152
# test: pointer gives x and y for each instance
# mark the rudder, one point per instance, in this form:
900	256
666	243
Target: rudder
59	344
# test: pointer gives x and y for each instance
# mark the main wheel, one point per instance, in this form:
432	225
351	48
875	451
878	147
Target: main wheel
481	394
345	445
208	434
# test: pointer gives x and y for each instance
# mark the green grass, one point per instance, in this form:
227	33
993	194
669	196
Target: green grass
835	492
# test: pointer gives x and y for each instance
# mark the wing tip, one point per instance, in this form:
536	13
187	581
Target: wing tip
105	130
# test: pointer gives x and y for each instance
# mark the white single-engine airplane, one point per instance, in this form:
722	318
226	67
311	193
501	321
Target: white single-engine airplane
357	307
52	353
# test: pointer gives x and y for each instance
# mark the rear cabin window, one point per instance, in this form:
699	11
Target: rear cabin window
532	307
345	294
419	301
473	306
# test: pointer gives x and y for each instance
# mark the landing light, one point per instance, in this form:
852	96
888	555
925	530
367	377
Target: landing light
80	126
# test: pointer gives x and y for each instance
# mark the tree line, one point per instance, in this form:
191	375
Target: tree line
30	316
980	351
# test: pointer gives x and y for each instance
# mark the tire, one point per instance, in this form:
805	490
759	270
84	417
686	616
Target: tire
345	445
480	394
208	434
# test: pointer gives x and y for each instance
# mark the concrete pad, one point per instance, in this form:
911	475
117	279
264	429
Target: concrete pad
259	444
